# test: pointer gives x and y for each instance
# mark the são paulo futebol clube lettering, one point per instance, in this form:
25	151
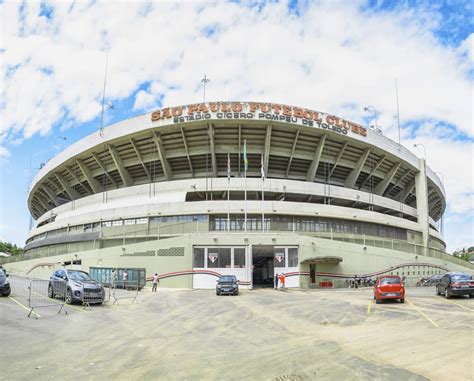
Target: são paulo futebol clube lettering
272	112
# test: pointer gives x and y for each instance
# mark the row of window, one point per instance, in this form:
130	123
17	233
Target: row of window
219	257
306	224
121	222
234	257
133	221
254	223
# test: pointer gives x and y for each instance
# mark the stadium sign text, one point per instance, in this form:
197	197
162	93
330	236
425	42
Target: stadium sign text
257	111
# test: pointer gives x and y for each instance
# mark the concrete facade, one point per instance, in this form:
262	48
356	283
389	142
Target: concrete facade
153	190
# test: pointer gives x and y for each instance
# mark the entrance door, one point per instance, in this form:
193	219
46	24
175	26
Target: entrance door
262	261
312	273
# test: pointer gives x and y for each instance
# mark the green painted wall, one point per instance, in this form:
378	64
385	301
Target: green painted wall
356	259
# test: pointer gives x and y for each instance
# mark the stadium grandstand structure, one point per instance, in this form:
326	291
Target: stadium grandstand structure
180	191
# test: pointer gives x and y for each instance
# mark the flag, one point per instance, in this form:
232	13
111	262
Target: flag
262	168
228	167
246	162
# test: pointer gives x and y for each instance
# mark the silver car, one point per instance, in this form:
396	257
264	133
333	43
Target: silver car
75	286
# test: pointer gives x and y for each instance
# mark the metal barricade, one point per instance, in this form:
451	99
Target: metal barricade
46	293
92	294
125	290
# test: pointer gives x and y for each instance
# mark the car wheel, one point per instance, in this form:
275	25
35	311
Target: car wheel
446	293
68	296
50	292
402	300
437	291
217	293
7	294
377	301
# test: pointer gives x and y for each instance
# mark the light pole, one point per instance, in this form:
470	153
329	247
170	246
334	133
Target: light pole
420	145
204	81
374	111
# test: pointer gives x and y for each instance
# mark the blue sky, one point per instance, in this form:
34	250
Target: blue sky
333	56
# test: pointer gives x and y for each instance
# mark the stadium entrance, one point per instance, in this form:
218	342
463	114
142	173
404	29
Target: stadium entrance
263	266
268	260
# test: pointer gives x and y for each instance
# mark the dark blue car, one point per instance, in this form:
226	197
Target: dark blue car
5	289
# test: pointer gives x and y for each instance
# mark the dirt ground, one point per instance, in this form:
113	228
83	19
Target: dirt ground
259	335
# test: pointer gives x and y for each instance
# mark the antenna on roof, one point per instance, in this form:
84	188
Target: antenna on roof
204	81
398	116
103	98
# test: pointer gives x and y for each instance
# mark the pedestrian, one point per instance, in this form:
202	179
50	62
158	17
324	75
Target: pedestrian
124	275
276	281
282	281
155	282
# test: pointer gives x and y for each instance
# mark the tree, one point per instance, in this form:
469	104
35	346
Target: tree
464	253
8	248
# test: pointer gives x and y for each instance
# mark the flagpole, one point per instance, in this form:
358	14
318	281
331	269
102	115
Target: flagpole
263	196
228	192
245	184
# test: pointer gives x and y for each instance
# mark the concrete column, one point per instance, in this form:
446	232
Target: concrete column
421	189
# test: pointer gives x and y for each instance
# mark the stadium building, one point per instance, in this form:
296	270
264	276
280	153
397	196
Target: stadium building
244	188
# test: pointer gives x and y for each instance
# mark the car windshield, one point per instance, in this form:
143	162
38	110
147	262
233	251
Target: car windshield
390	281
228	278
458	277
2	274
79	275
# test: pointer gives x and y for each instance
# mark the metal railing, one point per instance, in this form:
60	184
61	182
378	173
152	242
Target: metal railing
190	227
46	293
123	289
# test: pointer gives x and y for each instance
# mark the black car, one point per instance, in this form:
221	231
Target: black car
75	286
435	279
455	284
5	289
227	284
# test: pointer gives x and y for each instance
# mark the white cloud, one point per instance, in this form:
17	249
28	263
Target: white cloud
4	153
333	56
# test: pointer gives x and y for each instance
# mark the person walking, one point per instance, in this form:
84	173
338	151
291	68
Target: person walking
155	281
276	281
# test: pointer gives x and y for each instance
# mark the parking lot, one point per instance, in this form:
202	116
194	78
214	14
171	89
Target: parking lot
261	334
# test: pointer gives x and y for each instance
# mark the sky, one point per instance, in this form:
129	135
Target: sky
332	56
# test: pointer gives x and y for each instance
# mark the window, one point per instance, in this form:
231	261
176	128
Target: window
198	257
218	257
106	224
117	223
141	221
292	257
239	257
390	281
129	222
279	257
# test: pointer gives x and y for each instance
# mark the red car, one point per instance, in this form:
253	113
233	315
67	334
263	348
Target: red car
389	287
